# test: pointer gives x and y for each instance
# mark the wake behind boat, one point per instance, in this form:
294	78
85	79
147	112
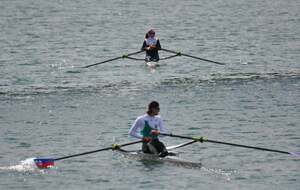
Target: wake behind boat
152	64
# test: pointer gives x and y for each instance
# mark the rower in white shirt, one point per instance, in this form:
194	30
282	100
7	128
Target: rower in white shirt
147	127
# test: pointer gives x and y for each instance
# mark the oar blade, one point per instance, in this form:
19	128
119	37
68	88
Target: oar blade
297	154
44	163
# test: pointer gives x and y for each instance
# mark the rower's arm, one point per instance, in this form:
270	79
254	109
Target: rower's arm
158	47
135	130
162	128
144	46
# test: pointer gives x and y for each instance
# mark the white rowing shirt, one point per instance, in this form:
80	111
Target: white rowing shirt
151	41
144	124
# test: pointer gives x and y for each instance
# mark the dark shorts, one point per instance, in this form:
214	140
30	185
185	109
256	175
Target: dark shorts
159	146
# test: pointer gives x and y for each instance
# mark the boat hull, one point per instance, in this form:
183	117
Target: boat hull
170	160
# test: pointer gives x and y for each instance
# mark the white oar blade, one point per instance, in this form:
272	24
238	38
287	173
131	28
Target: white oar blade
297	154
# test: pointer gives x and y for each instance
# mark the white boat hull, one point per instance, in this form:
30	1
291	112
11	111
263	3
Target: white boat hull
170	159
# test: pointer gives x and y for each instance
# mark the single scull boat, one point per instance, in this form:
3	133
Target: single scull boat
171	159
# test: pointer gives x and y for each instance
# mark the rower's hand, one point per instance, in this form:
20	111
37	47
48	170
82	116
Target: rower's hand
155	132
151	47
147	139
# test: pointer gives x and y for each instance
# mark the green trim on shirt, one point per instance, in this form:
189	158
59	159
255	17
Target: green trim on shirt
146	132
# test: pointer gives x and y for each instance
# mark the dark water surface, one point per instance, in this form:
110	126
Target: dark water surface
51	107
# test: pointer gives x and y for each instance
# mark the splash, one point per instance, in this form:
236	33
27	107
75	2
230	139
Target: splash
27	165
220	172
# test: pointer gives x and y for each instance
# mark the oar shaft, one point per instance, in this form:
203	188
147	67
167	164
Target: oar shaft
113	59
246	146
99	150
102	62
183	54
202	139
81	154
203	59
135	53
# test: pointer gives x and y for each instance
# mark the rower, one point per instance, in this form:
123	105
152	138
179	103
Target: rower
147	127
151	45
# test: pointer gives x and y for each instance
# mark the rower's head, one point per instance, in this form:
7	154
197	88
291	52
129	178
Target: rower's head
151	33
153	108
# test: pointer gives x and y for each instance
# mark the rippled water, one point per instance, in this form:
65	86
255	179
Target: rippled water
51	106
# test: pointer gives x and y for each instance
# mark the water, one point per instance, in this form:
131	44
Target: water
50	107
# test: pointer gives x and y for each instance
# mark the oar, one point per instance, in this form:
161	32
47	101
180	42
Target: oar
113	59
43	163
183	54
203	139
